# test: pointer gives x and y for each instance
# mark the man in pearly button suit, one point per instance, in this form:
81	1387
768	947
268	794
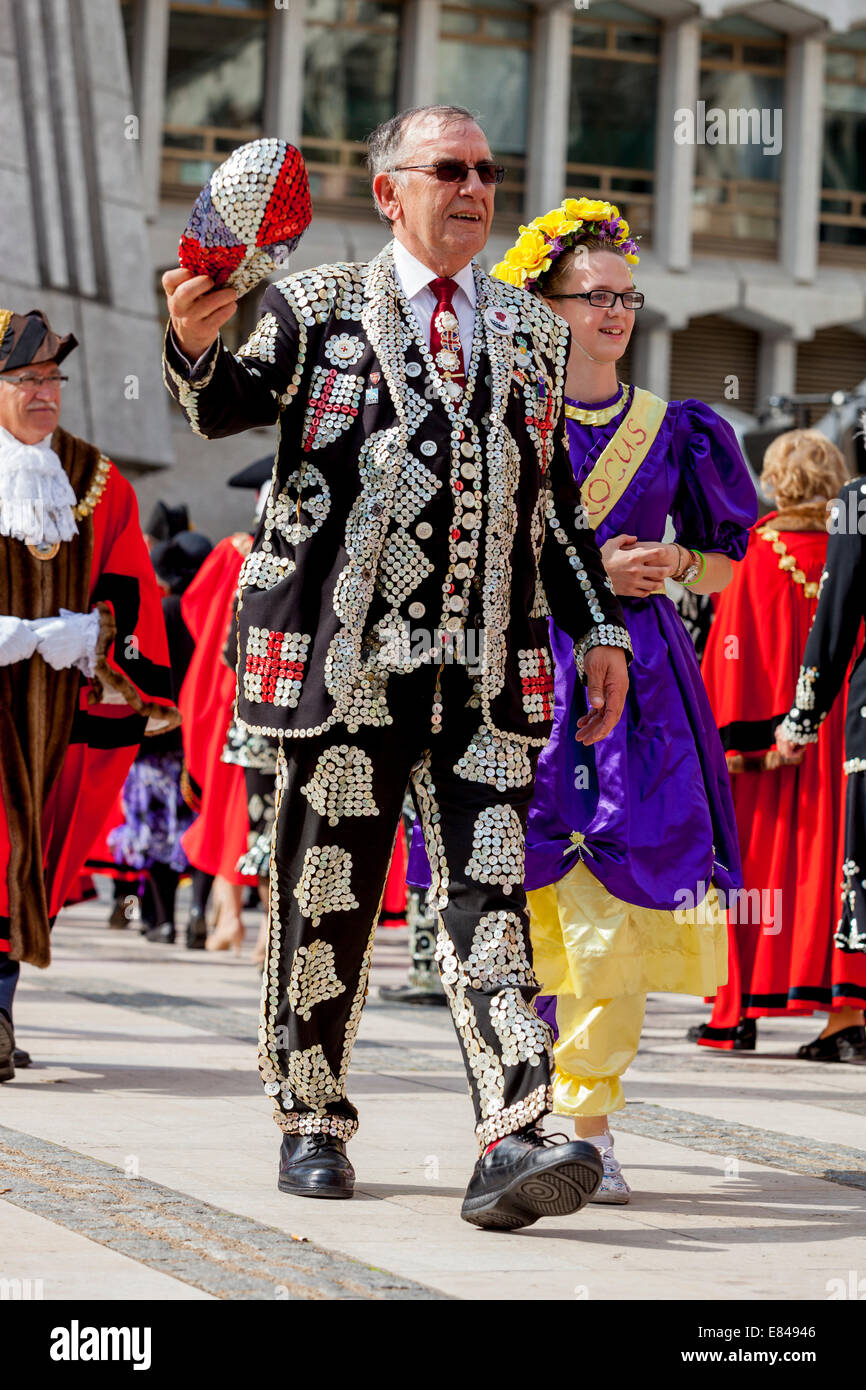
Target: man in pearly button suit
422	525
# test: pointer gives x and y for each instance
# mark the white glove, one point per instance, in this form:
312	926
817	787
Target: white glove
17	642
69	640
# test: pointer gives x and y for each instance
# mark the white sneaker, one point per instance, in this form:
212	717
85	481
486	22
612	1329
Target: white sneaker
613	1188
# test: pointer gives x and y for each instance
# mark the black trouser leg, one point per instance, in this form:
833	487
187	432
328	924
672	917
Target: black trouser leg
338	804
163	881
201	886
476	832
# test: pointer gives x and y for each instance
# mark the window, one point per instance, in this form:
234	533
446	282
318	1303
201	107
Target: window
215	84
129	19
484	62
843	176
351	74
736	182
612	109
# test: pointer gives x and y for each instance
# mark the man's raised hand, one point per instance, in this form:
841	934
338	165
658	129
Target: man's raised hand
197	310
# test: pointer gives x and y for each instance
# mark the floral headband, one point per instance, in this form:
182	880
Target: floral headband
545	239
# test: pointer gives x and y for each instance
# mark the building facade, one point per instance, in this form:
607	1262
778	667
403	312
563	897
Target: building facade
732	135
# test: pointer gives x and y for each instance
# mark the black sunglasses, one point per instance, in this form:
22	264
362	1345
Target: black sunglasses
456	170
604	299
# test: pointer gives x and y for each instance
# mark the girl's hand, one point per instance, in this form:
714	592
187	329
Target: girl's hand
638	568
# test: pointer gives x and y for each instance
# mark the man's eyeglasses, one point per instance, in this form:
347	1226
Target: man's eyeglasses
605	299
31	382
456	170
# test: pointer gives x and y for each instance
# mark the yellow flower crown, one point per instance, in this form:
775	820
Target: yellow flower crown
545	239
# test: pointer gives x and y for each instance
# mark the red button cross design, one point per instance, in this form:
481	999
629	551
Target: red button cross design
273	667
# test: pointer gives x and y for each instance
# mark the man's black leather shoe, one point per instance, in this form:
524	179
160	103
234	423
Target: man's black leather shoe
528	1175
7	1048
164	932
21	1059
196	930
315	1165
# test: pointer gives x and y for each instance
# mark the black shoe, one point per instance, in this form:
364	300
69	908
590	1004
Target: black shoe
21	1059
196	930
164	933
848	1045
528	1175
315	1165
744	1036
7	1048
411	994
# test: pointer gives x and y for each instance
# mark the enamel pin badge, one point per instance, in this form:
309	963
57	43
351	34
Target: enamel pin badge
500	320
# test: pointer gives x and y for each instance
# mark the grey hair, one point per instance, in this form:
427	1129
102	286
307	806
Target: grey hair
385	144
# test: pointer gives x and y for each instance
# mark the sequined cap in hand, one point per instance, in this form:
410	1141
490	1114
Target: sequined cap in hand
249	216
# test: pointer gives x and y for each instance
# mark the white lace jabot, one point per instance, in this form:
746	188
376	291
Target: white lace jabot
36	496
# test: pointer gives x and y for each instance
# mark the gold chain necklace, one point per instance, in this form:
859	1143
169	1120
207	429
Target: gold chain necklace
597	417
787	562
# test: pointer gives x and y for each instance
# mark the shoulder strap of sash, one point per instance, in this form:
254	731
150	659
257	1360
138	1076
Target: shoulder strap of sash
623	455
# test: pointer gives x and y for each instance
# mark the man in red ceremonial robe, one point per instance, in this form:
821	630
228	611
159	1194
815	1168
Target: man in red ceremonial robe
83	654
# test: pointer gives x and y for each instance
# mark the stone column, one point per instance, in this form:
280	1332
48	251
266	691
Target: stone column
548	118
802	135
149	65
419	48
675	164
651	359
777	366
284	80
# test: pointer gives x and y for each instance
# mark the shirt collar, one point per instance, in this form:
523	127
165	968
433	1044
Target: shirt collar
414	276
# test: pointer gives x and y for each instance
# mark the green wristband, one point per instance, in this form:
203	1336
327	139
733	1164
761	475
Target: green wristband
690	583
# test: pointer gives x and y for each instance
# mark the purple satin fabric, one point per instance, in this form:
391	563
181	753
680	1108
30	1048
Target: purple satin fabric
653	799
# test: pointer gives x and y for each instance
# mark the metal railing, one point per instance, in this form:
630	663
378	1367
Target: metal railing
745	211
842	207
630	189
191	153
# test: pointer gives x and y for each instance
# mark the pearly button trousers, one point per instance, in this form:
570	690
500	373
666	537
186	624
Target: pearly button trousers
338	804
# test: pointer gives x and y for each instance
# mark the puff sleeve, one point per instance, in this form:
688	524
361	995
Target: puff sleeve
715	503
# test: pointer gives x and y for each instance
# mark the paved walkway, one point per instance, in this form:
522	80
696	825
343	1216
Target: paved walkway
138	1158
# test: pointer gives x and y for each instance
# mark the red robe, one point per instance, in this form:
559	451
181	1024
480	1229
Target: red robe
105	737
218	837
790	818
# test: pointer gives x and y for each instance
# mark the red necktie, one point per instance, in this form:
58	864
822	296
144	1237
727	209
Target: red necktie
445	346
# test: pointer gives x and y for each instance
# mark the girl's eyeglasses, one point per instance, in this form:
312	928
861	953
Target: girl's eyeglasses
605	299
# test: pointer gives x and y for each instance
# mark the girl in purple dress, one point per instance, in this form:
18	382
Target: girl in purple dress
631	844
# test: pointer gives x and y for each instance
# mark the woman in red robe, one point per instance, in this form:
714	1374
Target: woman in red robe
789	817
218	837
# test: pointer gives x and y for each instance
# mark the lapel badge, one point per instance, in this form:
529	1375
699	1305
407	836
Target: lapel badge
500	320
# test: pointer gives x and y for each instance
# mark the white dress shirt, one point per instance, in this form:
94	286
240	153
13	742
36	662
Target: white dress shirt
415	279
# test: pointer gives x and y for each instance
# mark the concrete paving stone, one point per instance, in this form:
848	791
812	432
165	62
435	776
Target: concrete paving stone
146	1058
42	1260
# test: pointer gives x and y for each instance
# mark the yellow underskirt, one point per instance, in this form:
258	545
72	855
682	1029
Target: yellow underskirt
588	944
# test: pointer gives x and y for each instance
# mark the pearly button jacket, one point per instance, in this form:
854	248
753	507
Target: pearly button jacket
393	496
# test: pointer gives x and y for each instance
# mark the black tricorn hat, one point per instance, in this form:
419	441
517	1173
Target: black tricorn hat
29	338
255	474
